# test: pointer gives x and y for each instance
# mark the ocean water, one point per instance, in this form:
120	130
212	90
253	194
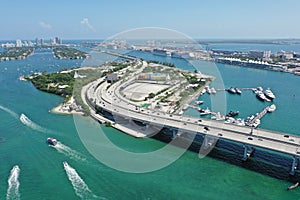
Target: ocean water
42	175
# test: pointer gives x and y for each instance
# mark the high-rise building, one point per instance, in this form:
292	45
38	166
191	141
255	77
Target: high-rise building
42	42
58	40
37	42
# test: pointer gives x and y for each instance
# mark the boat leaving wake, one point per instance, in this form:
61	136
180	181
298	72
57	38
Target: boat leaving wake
80	187
12	113
13	184
61	148
27	122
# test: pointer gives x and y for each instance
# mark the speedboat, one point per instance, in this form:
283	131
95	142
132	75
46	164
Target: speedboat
269	94
271	108
51	141
231	90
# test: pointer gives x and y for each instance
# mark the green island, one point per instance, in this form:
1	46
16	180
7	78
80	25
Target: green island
69	53
16	53
68	83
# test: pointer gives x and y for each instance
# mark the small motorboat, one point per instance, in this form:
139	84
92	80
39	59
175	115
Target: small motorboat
51	141
232	114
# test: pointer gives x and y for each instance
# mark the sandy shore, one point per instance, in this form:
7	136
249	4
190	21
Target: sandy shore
64	108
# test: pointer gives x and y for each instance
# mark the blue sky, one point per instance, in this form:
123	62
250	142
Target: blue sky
99	19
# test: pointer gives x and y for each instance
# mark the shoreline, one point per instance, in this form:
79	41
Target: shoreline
67	108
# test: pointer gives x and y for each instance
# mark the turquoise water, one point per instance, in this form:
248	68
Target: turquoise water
42	174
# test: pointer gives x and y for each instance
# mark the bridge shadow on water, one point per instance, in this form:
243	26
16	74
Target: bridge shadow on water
276	165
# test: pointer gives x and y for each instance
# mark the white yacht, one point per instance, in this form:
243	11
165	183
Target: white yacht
269	94
238	91
261	96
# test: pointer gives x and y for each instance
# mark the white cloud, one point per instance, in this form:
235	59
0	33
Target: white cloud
85	21
45	25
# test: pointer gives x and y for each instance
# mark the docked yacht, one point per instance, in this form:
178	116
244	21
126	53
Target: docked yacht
205	112
269	94
238	91
231	90
261	96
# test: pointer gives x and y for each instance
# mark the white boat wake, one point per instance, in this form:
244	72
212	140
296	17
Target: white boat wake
61	148
80	187
12	113
13	184
27	122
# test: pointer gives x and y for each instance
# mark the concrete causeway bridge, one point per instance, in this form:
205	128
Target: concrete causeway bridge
109	99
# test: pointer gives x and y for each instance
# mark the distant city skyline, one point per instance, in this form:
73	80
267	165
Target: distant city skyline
94	19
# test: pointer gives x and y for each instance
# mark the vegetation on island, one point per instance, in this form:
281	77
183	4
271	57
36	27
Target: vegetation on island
162	63
64	83
16	53
56	83
69	53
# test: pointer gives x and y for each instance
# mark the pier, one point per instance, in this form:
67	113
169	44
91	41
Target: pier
259	116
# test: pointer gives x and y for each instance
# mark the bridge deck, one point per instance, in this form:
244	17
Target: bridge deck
112	101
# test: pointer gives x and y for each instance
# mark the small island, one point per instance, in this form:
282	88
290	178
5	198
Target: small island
68	83
69	53
16	53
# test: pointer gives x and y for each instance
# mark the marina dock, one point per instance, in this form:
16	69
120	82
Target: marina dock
259	116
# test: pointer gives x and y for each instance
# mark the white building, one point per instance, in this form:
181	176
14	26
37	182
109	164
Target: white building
18	43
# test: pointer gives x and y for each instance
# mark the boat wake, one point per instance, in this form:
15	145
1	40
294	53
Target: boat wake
13	184
71	153
80	187
12	113
27	122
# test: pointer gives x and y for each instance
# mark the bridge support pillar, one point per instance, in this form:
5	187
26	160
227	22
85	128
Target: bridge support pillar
248	150
294	165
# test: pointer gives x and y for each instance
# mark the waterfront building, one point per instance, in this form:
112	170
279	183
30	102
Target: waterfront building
267	55
18	43
52	42
58	40
111	78
42	42
37	42
260	54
